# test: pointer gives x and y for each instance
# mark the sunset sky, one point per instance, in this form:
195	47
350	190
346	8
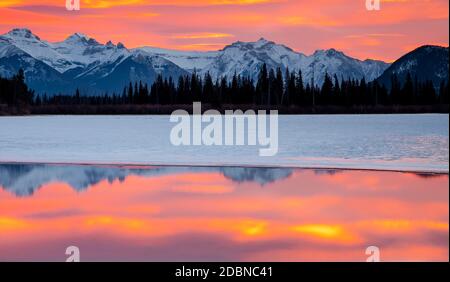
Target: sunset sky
304	25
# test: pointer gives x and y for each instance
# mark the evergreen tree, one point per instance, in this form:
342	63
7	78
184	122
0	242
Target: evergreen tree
326	90
300	90
130	93
262	86
407	93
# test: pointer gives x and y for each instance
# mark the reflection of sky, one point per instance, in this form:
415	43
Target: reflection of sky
205	215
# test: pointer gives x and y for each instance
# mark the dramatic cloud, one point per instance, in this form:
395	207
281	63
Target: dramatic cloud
400	25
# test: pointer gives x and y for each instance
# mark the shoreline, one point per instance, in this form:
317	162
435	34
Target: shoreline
152	165
168	109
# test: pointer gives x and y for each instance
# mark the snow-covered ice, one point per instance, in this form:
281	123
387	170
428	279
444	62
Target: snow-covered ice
391	142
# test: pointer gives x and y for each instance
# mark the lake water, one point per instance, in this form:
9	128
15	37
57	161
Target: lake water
311	202
220	214
391	142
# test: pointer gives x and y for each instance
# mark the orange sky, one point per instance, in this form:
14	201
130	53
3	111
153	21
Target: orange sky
304	25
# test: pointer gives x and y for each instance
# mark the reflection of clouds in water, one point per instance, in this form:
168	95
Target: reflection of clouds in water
55	214
220	247
189	246
25	179
305	214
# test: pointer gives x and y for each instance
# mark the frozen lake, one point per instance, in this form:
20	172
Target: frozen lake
388	142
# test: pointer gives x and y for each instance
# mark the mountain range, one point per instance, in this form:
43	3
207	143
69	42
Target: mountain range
82	62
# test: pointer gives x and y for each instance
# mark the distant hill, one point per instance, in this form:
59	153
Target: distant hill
426	63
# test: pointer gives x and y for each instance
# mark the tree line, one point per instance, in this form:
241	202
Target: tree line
14	91
272	88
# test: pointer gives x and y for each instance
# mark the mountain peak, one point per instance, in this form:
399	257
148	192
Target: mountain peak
431	48
329	52
77	37
81	38
121	46
250	45
427	63
263	40
22	33
80	35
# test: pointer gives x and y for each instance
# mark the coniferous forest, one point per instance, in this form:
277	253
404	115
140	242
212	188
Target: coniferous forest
287	92
15	92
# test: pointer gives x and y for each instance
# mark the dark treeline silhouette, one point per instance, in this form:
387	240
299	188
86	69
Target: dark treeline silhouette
273	89
14	91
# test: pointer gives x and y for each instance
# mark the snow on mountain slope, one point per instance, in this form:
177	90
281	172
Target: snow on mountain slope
246	59
189	61
39	76
81	62
82	50
77	50
138	66
25	40
337	63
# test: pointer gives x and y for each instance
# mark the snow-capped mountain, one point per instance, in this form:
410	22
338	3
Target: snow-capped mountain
426	63
133	66
246	59
190	61
31	44
337	63
78	62
82	62
39	74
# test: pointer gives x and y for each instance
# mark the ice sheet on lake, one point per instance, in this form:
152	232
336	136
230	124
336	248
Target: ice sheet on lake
391	142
